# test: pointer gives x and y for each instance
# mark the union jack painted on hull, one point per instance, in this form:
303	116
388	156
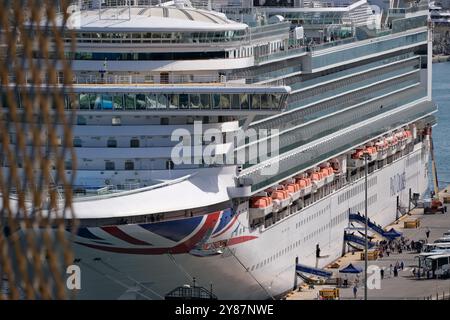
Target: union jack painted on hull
201	235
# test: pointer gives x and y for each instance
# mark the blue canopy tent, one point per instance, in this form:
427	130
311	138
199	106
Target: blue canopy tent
393	233
350	269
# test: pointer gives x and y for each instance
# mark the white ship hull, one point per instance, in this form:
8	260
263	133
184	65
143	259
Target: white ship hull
254	264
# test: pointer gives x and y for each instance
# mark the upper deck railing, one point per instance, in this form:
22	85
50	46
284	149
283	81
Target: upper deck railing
412	9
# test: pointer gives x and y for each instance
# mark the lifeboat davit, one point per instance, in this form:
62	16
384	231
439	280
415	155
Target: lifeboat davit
382	149
260	206
305	184
281	199
356	159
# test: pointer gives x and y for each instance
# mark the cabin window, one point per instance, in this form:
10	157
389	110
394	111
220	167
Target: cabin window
77	143
112	143
134	143
81	121
169	165
68	165
110	165
129	165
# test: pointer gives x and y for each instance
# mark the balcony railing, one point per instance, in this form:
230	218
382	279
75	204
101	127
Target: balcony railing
293	162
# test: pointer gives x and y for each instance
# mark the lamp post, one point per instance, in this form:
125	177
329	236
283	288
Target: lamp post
366	244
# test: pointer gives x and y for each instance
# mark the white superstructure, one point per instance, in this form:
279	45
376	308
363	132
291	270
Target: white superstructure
162	90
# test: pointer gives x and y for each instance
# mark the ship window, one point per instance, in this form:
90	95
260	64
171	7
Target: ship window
243	100
110	165
107	102
195	101
205	100
112	143
162	101
164	77
235	101
151	101
140	102
84	101
68	165
222	101
169	165
134	143
81	121
129	165
77	143
173	101
256	101
265	101
184	101
118	103
164	121
130	101
96	101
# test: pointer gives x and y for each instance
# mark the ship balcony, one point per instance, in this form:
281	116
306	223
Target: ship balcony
322	58
308	156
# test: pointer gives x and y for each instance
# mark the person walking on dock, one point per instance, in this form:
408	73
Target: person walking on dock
402	265
382	273
427	233
355	291
390	270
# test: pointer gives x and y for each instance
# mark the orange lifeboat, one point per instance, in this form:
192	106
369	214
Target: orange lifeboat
281	199
382	149
327	173
372	152
392	145
305	185
401	137
293	189
317	179
356	158
260	206
409	136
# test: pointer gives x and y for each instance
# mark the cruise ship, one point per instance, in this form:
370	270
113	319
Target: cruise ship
225	143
